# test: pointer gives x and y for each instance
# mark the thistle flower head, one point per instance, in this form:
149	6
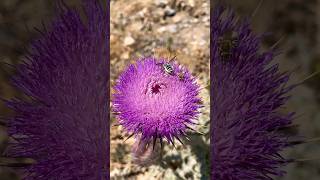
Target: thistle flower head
247	92
156	98
63	124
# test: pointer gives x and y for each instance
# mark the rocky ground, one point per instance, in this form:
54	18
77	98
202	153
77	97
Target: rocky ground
140	28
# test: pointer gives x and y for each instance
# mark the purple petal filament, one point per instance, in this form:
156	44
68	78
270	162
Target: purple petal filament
247	92
63	125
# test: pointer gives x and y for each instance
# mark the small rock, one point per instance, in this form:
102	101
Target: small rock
128	41
161	3
143	12
125	55
169	28
206	19
169	12
194	20
191	3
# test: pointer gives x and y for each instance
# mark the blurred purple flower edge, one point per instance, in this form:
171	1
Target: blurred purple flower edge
247	93
62	123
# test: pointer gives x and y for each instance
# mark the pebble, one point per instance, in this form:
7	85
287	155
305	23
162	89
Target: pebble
125	55
192	3
162	3
172	28
169	12
128	41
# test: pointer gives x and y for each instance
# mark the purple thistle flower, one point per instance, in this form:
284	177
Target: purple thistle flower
247	92
156	99
63	126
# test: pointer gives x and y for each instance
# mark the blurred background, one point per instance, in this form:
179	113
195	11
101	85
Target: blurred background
17	20
138	28
295	25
